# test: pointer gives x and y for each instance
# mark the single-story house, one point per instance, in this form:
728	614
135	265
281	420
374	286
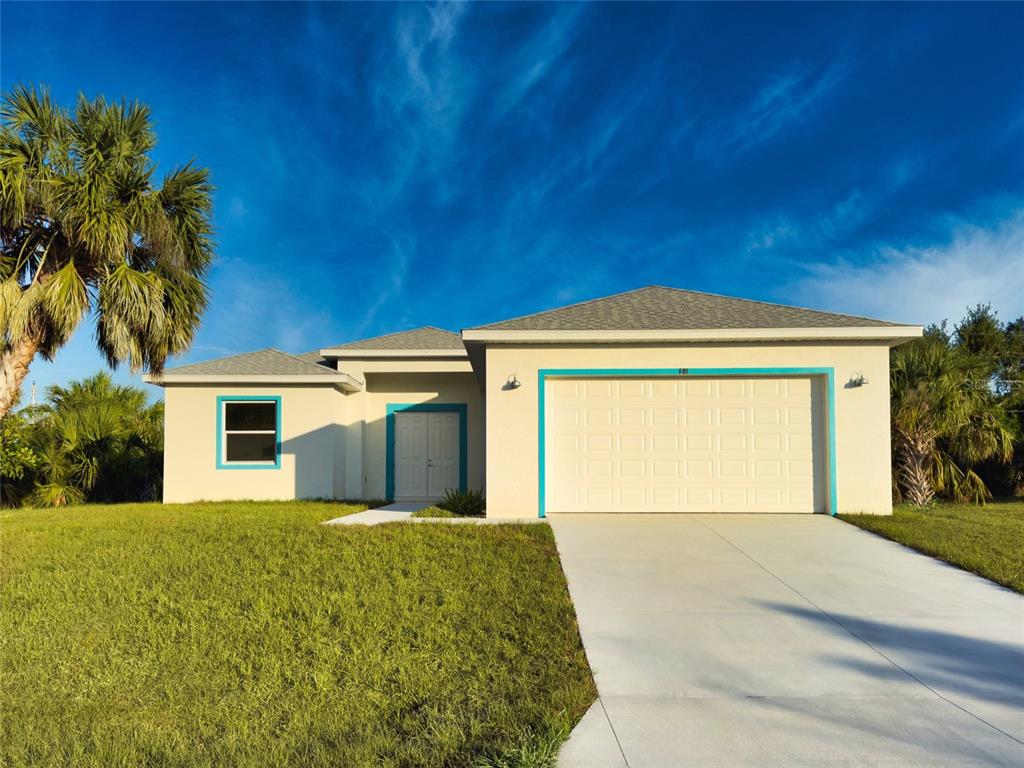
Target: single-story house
654	400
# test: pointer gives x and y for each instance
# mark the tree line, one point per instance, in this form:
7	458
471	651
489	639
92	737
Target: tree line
957	400
91	441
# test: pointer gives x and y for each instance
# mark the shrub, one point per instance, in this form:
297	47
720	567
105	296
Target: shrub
468	503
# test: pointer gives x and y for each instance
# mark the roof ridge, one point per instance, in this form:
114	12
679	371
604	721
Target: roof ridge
766	303
228	357
568	306
433	328
664	307
296	357
393	333
451	339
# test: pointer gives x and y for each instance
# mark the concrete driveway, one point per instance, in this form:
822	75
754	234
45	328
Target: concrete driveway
786	641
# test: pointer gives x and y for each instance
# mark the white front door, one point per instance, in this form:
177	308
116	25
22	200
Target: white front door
443	453
426	454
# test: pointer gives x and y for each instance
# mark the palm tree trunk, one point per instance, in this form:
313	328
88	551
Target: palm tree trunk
914	467
14	364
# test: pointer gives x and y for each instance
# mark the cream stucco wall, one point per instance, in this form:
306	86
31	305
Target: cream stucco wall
385	388
311	445
862	413
333	443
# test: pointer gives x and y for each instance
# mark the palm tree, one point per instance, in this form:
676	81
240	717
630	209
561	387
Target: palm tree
945	419
96	441
82	227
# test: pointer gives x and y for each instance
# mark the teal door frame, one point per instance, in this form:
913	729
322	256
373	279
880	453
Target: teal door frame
393	408
544	374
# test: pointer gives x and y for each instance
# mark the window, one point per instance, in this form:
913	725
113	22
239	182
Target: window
249	432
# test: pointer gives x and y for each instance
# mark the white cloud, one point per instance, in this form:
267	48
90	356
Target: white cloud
914	284
782	101
237	209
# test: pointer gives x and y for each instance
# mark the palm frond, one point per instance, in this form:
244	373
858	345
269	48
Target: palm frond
82	222
65	299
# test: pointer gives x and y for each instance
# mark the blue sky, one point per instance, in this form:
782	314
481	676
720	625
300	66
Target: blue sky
381	167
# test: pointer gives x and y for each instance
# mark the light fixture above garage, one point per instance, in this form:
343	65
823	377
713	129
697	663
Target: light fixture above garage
512	382
858	379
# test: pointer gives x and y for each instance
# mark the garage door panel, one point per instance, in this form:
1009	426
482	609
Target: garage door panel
696	445
667	389
566	388
734	416
570	443
733	388
632	469
632	497
633	443
670	442
771	443
566	417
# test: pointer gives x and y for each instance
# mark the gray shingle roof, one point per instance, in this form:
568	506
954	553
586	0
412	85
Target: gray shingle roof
314	357
427	337
673	309
265	362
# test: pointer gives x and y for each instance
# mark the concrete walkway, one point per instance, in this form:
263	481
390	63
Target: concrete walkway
401	512
786	641
392	513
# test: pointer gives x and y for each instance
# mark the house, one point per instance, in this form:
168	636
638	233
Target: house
654	400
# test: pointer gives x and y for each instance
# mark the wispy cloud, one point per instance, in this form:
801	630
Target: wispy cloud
830	225
237	209
787	235
392	282
538	55
420	95
924	284
782	101
254	306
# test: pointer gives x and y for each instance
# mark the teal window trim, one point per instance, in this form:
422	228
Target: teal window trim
221	400
830	393
393	408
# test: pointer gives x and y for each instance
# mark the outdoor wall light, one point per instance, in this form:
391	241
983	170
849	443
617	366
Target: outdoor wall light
858	379
512	382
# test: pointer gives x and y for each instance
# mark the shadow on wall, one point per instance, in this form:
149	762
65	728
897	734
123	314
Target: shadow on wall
316	455
320	453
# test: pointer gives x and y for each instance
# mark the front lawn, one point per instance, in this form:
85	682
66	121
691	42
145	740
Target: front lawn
248	634
987	540
433	512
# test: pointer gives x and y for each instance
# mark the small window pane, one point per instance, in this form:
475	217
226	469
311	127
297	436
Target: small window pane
251	447
244	416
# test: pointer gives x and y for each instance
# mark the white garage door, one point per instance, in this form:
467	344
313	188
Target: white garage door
685	445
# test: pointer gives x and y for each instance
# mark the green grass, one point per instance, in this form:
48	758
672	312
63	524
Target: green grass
988	541
433	512
248	634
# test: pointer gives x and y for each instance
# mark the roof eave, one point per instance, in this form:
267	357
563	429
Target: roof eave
894	334
342	381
